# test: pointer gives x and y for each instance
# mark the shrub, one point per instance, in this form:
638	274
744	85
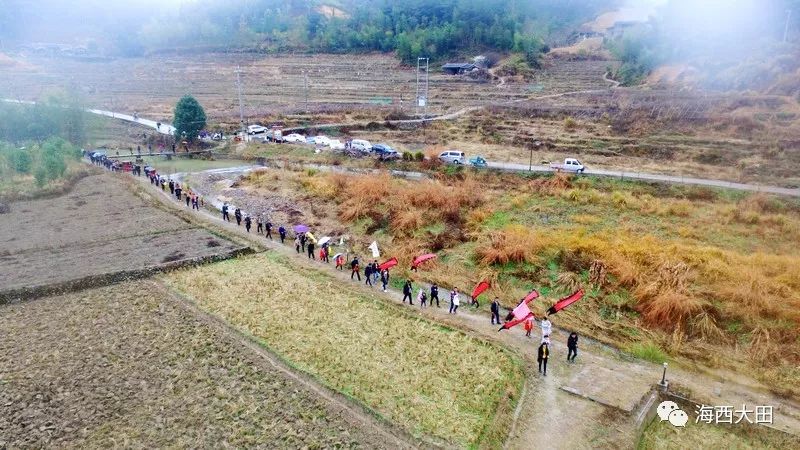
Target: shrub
570	124
419	156
647	351
20	160
41	176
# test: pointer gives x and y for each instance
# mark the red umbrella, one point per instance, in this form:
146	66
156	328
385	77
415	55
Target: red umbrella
566	301
388	264
421	259
480	288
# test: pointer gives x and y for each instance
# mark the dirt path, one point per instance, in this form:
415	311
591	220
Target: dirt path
610	384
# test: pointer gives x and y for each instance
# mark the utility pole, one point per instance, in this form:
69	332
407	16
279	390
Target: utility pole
305	87
786	28
422	86
241	106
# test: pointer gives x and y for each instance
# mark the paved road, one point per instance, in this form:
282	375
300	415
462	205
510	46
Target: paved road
671	179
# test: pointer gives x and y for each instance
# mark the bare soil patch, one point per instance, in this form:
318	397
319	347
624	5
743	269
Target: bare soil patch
96	230
123	366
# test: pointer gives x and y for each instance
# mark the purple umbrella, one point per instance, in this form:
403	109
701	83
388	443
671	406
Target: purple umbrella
301	228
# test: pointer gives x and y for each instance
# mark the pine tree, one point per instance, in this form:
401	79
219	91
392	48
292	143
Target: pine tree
190	118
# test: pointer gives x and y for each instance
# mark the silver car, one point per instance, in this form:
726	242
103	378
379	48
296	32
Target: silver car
453	157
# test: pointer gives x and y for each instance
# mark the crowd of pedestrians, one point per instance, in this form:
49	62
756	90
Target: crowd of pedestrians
305	243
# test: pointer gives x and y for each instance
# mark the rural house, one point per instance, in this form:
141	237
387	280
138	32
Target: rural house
457	68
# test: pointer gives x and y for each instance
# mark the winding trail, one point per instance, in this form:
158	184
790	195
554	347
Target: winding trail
581	405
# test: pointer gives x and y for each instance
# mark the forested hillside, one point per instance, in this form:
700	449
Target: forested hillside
412	28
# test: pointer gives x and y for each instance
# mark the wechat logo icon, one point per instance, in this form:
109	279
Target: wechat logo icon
668	410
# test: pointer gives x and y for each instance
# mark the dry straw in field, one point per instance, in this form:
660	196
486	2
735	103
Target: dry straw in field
429	379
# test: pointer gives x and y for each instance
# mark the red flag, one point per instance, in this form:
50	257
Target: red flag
520	313
532	295
388	264
566	301
480	289
421	259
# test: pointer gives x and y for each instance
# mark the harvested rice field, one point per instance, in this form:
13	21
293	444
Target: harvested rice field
97	230
127	366
366	348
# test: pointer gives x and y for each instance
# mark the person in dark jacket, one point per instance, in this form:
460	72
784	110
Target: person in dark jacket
368	275
496	311
238	214
572	346
247	223
407	290
225	215
259	224
354	269
268	228
303	239
543	354
171	187
178	191
282	232
435	294
310	248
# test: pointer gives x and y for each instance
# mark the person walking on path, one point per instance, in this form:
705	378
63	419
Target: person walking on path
376	271
454	301
171	187
310	247
435	294
326	253
247	223
496	311
178	191
339	261
260	224
268	227
297	244
572	346
368	275
238	214
528	326
303	240
384	278
354	269
282	233
407	290
225	215
422	297
542	356
547	327
188	198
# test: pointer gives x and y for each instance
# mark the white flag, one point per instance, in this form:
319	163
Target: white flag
374	248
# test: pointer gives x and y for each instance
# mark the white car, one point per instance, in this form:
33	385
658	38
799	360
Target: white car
361	144
256	129
336	144
321	140
294	137
453	157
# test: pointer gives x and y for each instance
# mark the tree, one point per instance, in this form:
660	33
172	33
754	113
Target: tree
189	118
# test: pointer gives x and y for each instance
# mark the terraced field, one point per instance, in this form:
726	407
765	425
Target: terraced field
272	84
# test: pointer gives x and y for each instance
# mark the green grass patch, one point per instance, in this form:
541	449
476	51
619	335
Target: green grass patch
647	351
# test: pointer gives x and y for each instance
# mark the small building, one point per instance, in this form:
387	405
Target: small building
457	68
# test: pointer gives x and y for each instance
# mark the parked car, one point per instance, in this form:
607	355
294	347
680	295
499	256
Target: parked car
361	145
385	152
478	161
311	140
570	165
256	129
335	144
321	140
453	157
275	134
294	137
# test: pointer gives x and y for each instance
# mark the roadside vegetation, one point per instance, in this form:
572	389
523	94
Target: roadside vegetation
671	272
662	436
368	349
39	148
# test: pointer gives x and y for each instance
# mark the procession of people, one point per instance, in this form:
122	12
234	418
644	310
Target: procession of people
305	243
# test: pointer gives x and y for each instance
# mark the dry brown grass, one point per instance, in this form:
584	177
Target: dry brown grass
366	348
